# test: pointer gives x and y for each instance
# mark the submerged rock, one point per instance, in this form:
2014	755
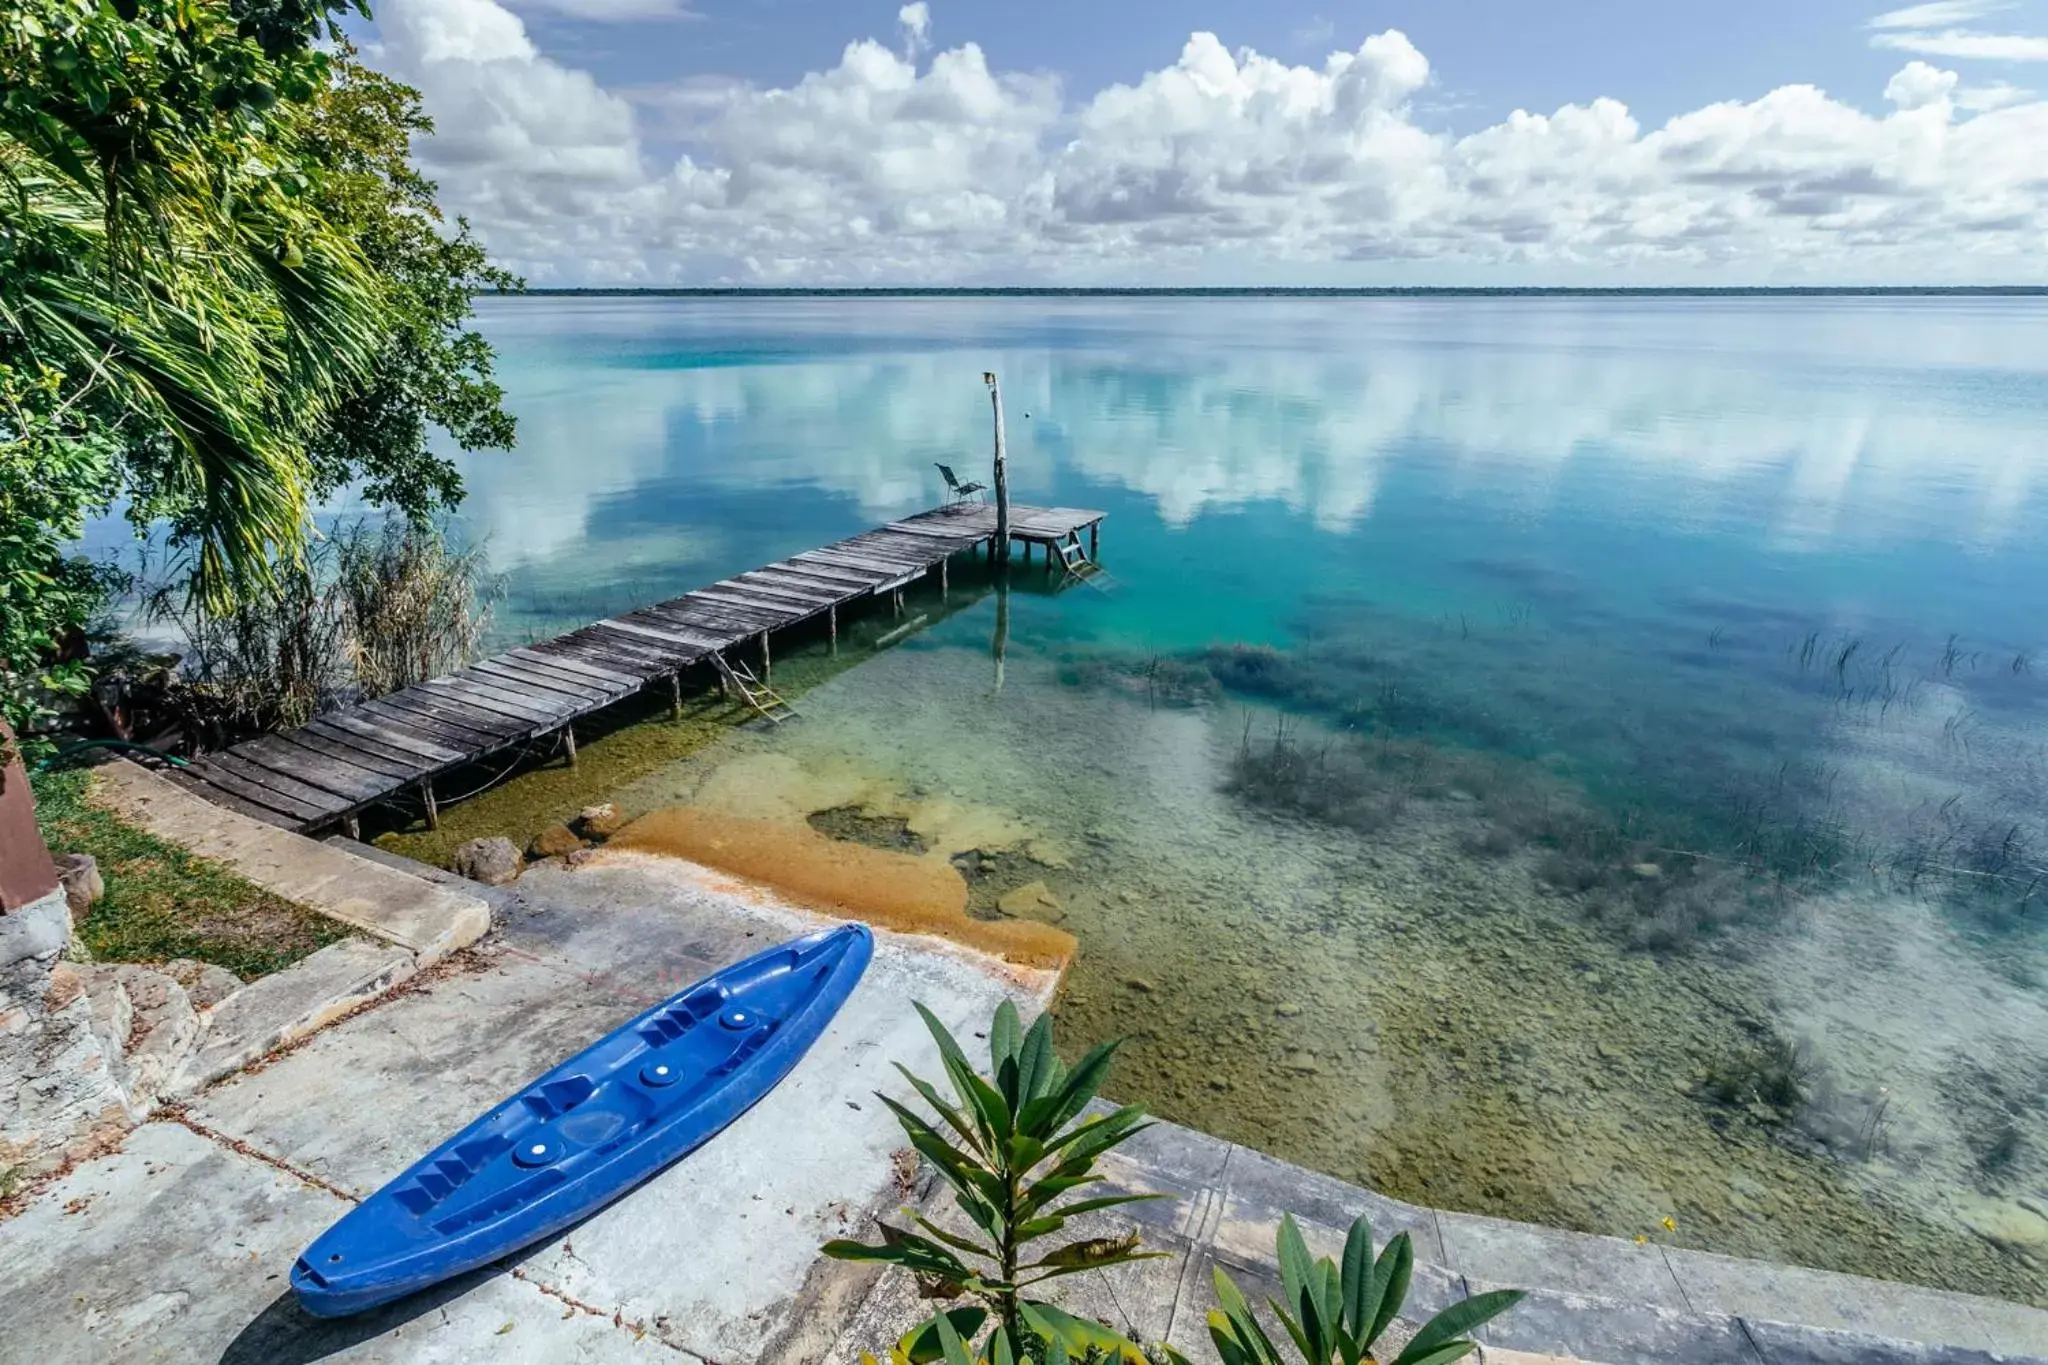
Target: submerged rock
1033	900
2009	1226
493	862
601	821
556	841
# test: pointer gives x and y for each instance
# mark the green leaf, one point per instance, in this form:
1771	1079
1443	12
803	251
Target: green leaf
1078	1087
921	1346
1003	1035
952	1350
1107	1201
1390	1277
953	1240
1458	1319
999	1349
1089	1253
1244	1327
1296	1331
955	1120
1297	1267
1358	1279
907	1249
949	1046
1078	1335
1035	1060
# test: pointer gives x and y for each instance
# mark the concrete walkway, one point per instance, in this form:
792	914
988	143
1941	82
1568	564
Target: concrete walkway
177	1247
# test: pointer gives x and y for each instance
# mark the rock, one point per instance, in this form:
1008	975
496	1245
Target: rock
1033	900
65	986
205	984
1649	872
600	822
556	841
1287	1010
83	885
579	857
1139	984
2008	1226
146	1023
493	862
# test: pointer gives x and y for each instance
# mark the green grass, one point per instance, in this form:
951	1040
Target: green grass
163	902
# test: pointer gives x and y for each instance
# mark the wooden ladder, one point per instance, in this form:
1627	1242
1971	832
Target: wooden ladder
1080	568
756	693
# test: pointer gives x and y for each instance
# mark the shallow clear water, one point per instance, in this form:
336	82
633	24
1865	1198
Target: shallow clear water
1630	804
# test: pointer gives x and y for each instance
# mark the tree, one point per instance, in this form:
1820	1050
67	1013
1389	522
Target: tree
162	255
224	294
435	370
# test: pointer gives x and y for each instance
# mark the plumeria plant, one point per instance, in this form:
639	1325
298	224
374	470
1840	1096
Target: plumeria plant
1336	1315
1013	1146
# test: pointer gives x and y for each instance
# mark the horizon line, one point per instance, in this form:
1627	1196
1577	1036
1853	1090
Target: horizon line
1278	291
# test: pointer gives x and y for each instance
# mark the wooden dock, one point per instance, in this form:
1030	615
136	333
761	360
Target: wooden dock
328	771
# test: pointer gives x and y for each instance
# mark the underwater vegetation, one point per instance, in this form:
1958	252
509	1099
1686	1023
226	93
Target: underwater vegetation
1665	816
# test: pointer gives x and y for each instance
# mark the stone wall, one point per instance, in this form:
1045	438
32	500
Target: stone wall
59	1095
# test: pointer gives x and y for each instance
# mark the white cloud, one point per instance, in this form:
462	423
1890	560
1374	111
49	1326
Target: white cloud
1929	29
916	21
1937	13
612	11
1224	165
1961	44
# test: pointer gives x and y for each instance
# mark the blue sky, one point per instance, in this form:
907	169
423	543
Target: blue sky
1234	141
1493	56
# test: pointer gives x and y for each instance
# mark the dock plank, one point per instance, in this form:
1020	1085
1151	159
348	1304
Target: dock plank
419	703
796	588
407	714
221	796
359	723
316	769
841	580
256	794
515	701
314	796
626	682
577	694
366	754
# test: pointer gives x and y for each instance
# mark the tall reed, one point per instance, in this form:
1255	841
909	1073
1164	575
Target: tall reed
365	611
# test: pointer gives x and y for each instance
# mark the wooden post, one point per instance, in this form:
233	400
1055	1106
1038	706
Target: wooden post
1000	644
569	743
675	696
767	664
896	603
1002	479
945	589
1093	527
832	622
352	827
427	796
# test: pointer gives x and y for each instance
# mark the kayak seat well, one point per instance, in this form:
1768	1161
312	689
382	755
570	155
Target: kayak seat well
678	1019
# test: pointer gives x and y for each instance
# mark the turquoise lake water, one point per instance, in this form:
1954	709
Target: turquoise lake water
1582	760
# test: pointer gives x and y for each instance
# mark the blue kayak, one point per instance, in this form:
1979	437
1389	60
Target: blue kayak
590	1130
